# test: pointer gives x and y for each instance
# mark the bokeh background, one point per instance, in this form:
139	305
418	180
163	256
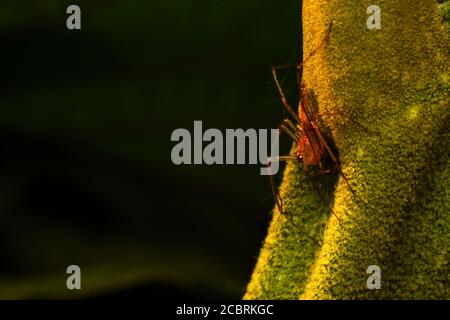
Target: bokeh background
85	124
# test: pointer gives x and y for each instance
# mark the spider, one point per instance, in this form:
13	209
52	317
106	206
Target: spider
303	129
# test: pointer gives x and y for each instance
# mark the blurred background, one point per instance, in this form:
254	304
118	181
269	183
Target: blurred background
85	123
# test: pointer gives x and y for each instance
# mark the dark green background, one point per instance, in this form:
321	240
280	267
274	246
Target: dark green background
85	124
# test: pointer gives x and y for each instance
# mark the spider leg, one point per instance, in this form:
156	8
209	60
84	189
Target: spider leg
323	141
287	122
286	104
348	183
323	198
279	201
308	113
292	134
336	161
359	125
300	65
